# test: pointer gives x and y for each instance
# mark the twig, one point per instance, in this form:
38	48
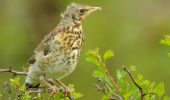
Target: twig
107	87
103	91
13	71
108	74
39	91
104	84
137	85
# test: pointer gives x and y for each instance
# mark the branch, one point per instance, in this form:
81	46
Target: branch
108	74
103	91
137	85
13	71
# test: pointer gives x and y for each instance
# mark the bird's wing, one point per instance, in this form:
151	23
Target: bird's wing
42	47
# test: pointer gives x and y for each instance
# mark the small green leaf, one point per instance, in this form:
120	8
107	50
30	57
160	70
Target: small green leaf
139	78
93	60
15	81
59	96
146	82
127	95
98	73
26	96
109	82
71	87
160	90
93	52
77	95
132	68
119	74
108	54
105	97
22	88
165	41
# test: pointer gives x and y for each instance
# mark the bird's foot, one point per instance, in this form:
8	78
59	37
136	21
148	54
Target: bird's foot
54	90
67	92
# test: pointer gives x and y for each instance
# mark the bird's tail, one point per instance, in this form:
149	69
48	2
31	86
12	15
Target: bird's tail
29	84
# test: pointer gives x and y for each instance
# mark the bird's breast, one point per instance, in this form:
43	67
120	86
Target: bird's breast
66	50
70	42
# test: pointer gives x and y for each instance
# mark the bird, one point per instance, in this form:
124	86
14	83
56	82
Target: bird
57	54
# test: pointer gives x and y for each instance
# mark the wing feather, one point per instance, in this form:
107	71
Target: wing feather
42	47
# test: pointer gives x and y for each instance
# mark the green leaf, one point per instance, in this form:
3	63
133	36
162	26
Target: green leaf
119	74
71	87
77	95
108	54
132	68
26	96
160	90
109	82
22	88
93	60
15	81
104	97
123	86
98	73
139	78
127	95
59	96
166	40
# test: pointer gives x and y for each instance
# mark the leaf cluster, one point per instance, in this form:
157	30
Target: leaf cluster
166	42
125	86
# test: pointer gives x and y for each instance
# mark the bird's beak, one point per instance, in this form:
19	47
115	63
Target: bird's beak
92	9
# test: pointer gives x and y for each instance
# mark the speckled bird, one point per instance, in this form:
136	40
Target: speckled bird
57	54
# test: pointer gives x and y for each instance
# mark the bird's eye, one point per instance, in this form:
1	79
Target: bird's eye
83	10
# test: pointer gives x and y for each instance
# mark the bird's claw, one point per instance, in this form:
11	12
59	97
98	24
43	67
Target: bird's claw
67	92
54	90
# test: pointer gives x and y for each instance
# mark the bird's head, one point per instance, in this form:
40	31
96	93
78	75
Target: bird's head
79	11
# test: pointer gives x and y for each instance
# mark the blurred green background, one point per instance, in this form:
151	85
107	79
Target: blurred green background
132	28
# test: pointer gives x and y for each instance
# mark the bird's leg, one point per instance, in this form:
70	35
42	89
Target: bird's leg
52	87
66	89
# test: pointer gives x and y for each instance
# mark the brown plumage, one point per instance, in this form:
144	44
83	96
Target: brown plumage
57	54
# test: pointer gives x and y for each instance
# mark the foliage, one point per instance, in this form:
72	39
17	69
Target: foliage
15	89
125	86
166	41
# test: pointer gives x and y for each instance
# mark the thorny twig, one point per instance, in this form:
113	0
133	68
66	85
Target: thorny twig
137	85
13	71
